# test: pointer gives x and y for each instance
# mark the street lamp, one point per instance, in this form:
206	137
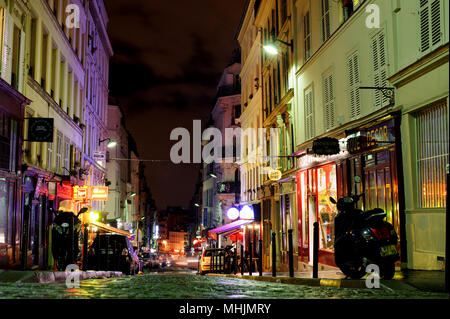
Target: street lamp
111	143
272	47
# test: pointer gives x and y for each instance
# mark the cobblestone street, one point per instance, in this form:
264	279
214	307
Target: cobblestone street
188	285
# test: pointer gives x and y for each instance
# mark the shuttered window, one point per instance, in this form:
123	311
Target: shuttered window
432	155
325	20
353	85
328	101
379	68
430	24
2	22
59	142
309	113
307	35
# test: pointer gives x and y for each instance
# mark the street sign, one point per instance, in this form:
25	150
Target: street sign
99	193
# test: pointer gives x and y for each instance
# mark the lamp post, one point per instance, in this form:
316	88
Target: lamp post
111	143
272	47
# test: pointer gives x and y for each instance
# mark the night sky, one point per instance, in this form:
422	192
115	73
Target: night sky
168	58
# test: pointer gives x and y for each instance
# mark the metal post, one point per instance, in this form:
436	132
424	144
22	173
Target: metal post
235	259
242	259
316	251
250	263
274	255
98	250
212	261
85	246
260	257
291	254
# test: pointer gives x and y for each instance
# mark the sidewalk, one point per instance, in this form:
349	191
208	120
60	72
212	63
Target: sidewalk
45	277
432	281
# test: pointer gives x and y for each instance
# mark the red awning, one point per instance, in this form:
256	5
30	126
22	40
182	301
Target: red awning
228	228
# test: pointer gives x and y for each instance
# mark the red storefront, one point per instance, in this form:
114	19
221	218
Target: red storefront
370	152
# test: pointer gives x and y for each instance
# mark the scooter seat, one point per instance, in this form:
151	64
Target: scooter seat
374	214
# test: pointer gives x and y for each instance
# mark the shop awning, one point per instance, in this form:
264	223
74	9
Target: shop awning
107	228
228	228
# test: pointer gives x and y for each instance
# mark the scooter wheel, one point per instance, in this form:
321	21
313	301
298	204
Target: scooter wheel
387	271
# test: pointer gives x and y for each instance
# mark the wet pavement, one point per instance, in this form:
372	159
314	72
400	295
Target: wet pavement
185	284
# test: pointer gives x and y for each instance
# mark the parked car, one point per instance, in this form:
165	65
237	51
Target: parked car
223	261
149	260
113	252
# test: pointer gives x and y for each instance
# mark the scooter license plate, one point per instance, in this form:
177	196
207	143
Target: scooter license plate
388	250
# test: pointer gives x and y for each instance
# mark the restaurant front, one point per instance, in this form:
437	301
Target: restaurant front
370	152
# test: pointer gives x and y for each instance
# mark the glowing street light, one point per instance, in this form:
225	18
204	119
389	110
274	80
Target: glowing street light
272	48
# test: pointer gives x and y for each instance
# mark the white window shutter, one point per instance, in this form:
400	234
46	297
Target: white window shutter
430	24
353	81
379	68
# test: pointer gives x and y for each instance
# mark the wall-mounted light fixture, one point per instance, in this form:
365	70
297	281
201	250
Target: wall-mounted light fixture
111	143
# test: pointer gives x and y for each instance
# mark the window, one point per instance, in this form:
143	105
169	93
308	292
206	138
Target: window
307	35
66	157
430	24
58	153
325	20
50	156
328	101
283	10
5	141
379	68
353	85
309	113
2	22
432	155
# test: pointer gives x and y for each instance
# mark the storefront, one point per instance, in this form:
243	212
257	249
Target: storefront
368	152
12	105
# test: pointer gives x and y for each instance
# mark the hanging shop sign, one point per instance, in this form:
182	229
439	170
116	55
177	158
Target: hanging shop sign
99	193
326	146
372	137
80	192
40	129
275	175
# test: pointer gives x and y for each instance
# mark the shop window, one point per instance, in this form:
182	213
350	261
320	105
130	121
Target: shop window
326	188
4	141
432	155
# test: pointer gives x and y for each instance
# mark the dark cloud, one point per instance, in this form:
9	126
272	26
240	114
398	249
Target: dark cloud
168	59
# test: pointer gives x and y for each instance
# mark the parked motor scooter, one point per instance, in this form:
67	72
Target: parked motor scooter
363	238
65	232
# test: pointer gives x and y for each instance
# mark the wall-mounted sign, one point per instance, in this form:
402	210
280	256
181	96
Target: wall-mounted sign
99	193
99	156
275	175
40	129
372	137
326	146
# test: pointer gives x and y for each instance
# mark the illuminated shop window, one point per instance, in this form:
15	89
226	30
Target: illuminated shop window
432	155
326	188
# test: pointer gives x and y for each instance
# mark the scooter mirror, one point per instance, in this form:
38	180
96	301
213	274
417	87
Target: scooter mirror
357	179
82	211
333	200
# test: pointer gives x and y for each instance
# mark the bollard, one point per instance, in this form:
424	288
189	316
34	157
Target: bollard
447	240
274	256
316	251
212	261
291	254
260	257
85	246
242	260
235	259
98	250
250	263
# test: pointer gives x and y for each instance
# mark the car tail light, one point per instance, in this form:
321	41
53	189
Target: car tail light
124	252
381	233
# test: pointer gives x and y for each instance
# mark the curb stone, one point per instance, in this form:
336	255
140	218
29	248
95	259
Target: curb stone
46	277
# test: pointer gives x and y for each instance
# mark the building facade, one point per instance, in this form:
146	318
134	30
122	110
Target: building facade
56	53
376	89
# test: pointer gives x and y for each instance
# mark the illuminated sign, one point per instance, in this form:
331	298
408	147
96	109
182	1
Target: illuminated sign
80	192
275	175
372	137
99	193
247	213
233	213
